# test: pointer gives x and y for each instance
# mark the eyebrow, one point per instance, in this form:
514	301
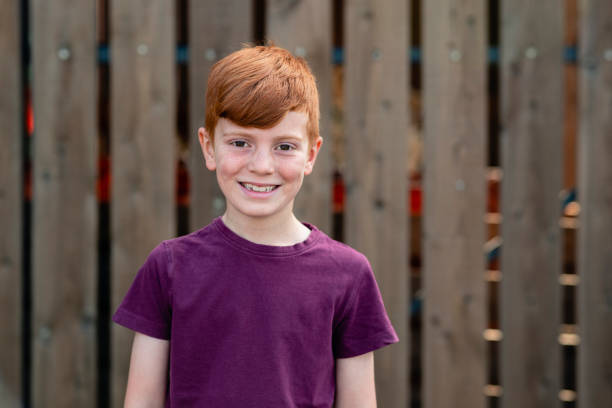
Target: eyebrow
248	135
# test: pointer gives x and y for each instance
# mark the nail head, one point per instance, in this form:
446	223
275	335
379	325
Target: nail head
44	333
142	49
460	185
210	54
531	52
218	204
455	55
64	53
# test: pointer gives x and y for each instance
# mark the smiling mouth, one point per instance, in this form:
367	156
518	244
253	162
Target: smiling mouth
259	189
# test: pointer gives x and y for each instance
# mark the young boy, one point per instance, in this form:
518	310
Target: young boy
257	309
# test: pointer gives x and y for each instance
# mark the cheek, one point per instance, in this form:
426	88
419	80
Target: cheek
229	166
291	169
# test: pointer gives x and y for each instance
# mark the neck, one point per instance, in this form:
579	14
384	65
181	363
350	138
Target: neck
280	230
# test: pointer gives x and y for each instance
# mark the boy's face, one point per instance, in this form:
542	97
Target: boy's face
260	171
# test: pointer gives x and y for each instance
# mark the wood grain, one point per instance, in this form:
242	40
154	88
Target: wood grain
64	199
571	98
304	28
595	197
216	28
376	111
454	73
531	140
143	140
11	193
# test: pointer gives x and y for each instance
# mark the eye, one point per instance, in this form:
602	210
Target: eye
286	147
239	143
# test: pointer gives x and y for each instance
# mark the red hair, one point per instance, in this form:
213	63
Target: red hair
257	86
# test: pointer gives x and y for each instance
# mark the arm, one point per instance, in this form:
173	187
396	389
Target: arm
146	386
355	382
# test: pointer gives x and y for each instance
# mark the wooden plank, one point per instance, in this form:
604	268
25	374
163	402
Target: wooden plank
376	44
11	193
143	120
595	197
64	200
532	130
216	28
571	98
304	28
454	91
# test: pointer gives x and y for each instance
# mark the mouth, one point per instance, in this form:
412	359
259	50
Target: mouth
263	188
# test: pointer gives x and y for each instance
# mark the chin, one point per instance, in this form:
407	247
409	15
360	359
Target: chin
261	212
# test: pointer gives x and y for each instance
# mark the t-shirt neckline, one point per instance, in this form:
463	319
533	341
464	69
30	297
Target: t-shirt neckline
244	244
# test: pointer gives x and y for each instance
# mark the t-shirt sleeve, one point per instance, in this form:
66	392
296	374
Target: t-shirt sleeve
146	308
364	325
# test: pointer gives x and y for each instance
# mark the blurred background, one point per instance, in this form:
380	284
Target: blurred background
468	154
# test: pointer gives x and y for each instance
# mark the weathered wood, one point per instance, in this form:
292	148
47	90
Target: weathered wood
532	131
376	172
216	28
11	125
454	73
570	126
595	197
571	98
64	200
304	28
143	120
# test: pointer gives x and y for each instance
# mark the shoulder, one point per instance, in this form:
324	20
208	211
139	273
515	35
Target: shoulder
342	251
342	256
188	243
182	251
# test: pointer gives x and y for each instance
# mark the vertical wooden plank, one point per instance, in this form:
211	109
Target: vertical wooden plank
595	197
11	192
65	209
454	73
143	119
571	97
216	28
304	28
531	140
376	173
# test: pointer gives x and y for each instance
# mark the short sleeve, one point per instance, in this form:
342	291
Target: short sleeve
146	308
364	325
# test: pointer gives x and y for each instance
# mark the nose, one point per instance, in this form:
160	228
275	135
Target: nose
261	162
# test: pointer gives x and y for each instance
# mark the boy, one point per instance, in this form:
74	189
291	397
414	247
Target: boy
257	309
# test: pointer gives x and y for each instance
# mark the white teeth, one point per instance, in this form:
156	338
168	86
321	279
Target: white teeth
263	189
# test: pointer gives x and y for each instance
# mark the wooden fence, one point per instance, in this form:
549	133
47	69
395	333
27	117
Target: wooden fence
121	85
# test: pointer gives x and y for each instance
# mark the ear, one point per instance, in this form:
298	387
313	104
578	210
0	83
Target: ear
313	151
208	149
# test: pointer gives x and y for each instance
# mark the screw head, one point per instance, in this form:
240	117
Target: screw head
142	49
210	54
44	333
376	54
64	53
455	55
218	204
531	52
460	185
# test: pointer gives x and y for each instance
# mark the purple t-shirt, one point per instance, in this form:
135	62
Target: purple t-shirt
254	325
